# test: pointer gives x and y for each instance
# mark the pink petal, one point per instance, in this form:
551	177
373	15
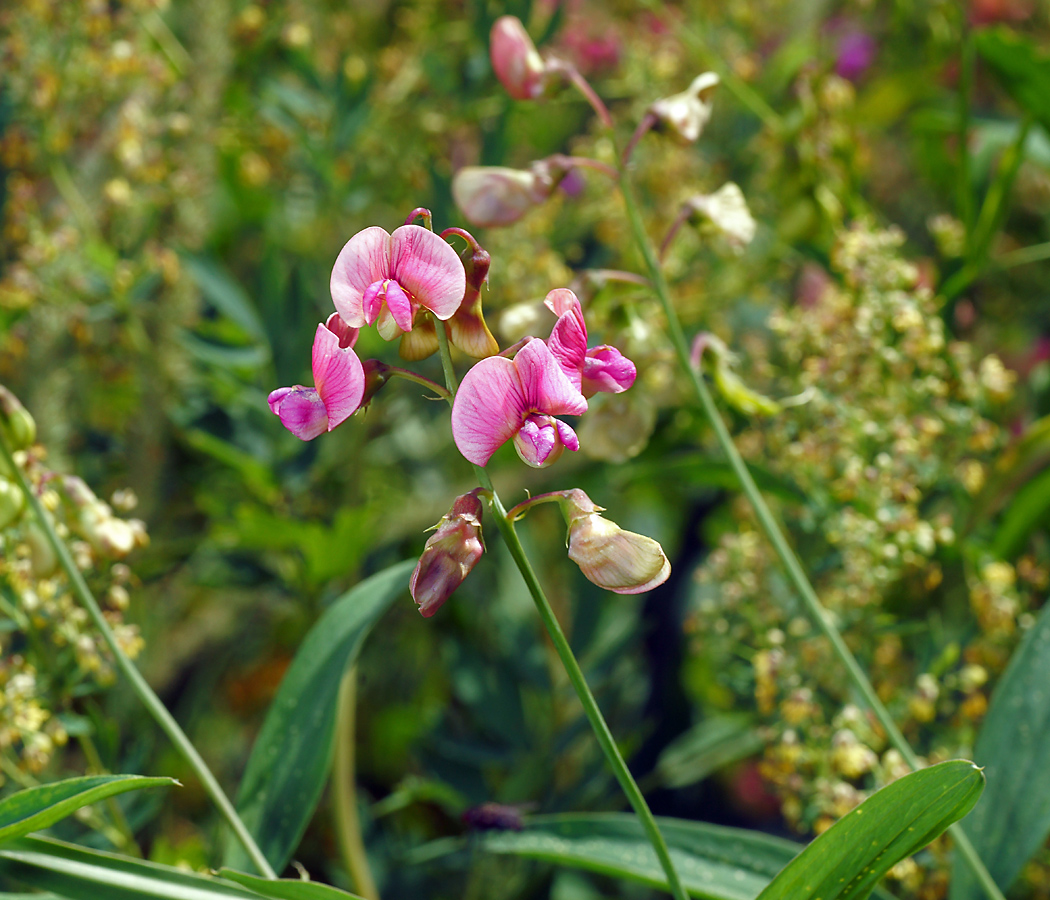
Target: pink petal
547	388
428	269
489	408
568	340
567	436
606	369
537	442
301	411
347	335
338	376
364	260
399	305
372	301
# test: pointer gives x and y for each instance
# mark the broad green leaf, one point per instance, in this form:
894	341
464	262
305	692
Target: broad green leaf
847	860
1029	507
40	807
1020	67
77	873
225	294
713	862
291	757
286	888
706	747
1012	820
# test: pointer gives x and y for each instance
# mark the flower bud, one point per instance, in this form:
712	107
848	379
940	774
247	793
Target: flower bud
684	115
18	425
515	60
614	559
496	195
12	502
449	555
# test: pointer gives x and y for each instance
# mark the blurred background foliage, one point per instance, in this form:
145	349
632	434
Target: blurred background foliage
176	178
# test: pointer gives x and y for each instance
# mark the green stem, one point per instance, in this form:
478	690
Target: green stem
1023	256
128	843
568	659
344	793
964	188
774	534
145	693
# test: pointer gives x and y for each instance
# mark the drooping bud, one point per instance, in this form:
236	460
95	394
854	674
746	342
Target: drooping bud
726	210
684	115
18	425
495	195
12	502
467	328
515	59
614	559
449	555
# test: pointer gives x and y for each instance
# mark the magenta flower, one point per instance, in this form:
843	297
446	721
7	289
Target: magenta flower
339	384
591	370
518	398
390	277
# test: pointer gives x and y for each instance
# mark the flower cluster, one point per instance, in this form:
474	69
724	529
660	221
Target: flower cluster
413	281
49	651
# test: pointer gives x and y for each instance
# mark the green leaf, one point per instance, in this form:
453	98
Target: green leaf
847	860
40	807
1020	68
707	747
286	888
77	873
225	294
1028	508
291	757
713	861
1013	818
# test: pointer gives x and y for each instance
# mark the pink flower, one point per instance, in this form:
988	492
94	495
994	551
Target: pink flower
591	370
390	277
339	380
501	399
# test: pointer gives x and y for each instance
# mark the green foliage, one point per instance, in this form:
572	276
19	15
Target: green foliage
286	889
847	861
291	756
37	808
1012	819
1023	70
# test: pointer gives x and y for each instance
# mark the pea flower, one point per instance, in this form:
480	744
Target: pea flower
727	211
515	59
684	115
339	384
502	398
449	555
614	559
389	277
590	369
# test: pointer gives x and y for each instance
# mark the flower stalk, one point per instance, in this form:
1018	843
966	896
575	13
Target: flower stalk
775	535
150	700
505	523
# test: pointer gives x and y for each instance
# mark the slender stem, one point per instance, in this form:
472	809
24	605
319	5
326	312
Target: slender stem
647	122
583	86
594	715
585	162
683	217
128	843
151	701
776	537
446	363
1034	253
344	793
964	189
516	512
421	212
409	375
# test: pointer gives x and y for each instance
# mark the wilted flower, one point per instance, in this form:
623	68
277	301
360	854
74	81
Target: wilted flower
684	115
726	209
339	384
495	195
515	59
390	277
449	555
608	556
590	369
501	399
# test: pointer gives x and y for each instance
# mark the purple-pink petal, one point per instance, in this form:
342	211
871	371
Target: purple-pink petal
537	441
427	268
301	411
399	305
339	377
547	388
347	335
606	369
372	301
489	408
568	340
364	260
567	436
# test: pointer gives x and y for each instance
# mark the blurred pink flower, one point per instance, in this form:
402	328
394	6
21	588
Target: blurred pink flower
389	277
591	370
518	398
856	53
515	60
339	384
